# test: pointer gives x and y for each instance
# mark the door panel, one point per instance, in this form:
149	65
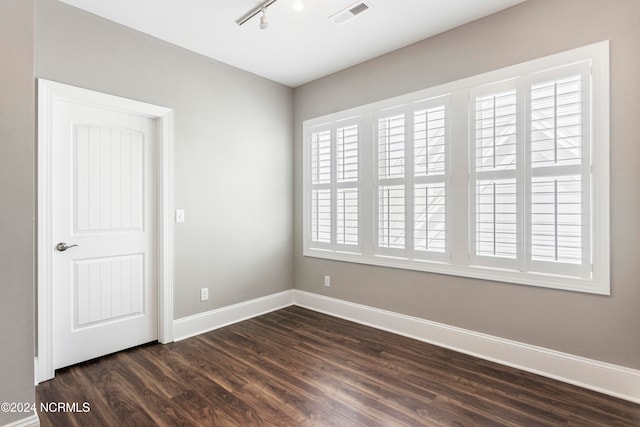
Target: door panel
105	288
109	168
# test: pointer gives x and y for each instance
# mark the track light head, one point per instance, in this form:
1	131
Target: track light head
264	24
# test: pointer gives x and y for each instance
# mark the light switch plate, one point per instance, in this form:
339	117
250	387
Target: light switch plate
179	215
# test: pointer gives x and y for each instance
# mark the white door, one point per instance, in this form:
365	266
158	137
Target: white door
104	212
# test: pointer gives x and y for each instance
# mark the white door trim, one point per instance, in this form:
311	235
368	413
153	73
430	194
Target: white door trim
47	92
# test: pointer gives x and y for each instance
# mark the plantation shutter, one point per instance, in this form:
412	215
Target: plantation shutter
391	199
334	204
560	171
430	142
502	176
494	121
321	207
347	185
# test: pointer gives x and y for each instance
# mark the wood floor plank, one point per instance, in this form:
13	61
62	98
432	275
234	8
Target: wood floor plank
508	381
296	367
369	388
235	383
265	363
389	369
327	377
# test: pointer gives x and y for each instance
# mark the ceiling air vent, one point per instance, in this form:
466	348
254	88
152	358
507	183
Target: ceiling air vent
350	12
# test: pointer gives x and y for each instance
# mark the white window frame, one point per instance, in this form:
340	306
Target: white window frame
458	260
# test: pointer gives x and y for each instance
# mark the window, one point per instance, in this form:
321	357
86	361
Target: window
502	176
321	184
391	183
334	186
559	167
494	175
347	185
411	181
430	146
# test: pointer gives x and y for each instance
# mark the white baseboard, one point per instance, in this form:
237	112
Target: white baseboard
599	376
603	377
32	421
204	322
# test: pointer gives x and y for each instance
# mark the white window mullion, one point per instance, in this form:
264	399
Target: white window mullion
334	201
523	172
587	220
367	187
587	170
600	164
459	227
409	183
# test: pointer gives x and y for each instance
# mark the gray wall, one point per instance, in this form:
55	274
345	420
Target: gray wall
599	327
233	149
17	180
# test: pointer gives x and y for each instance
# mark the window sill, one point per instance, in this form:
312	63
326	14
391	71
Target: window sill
591	286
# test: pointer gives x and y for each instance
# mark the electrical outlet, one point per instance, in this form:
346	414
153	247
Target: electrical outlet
327	281
204	294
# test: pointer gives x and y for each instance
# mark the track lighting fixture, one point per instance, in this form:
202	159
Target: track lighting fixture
264	24
298	5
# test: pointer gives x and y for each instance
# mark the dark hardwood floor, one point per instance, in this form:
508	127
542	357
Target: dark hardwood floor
296	367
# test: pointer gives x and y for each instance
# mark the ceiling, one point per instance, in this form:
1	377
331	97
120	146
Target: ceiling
297	47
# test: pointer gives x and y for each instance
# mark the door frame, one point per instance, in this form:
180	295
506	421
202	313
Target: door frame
48	91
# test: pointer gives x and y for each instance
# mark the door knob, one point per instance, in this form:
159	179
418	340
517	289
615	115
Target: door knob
62	246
